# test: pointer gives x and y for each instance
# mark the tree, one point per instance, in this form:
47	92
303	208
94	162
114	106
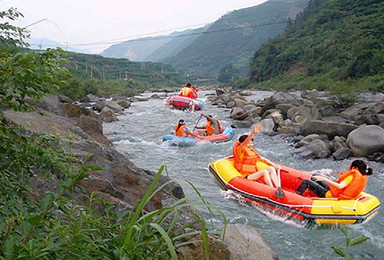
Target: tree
228	73
23	72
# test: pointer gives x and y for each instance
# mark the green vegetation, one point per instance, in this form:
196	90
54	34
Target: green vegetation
235	37
94	74
348	243
39	182
331	42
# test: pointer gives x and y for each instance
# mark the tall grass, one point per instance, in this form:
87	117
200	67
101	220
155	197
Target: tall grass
57	227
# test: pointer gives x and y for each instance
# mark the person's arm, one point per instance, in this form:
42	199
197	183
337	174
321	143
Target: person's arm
337	185
207	117
255	129
188	132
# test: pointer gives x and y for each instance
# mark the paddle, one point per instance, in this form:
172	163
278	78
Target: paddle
197	122
279	193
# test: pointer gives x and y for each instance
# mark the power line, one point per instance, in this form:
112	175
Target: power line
174	36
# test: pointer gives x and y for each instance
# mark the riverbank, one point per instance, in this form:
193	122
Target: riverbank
312	121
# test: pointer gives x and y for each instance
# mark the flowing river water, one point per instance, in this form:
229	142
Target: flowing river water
138	135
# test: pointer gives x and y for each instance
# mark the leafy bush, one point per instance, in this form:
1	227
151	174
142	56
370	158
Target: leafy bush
348	243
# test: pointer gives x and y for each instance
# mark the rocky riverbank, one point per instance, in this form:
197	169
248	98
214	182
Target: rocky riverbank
79	125
316	128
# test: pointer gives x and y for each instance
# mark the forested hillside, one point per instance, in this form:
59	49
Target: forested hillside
234	38
94	74
331	40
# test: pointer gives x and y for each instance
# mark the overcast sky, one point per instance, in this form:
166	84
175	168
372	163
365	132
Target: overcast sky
89	24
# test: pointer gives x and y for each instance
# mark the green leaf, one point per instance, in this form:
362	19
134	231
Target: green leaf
167	239
339	251
358	240
9	246
46	202
26	227
34	220
344	230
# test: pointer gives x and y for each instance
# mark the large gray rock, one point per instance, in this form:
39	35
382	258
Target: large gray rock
280	98
366	140
328	128
246	243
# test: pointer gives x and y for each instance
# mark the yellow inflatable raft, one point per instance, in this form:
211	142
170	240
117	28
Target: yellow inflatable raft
306	207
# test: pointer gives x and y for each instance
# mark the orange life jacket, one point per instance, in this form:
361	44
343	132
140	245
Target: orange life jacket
209	127
180	131
352	190
186	92
245	159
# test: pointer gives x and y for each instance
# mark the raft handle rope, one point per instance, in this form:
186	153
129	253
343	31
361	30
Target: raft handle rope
288	205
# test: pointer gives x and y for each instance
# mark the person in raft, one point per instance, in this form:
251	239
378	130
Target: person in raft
187	91
194	92
212	126
246	160
349	185
182	130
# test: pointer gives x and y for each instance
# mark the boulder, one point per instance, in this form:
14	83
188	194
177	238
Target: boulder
366	140
246	243
267	126
341	154
280	98
328	128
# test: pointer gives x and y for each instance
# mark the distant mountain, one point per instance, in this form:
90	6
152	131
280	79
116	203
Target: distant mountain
335	40
235	37
43	44
137	49
153	48
231	40
178	42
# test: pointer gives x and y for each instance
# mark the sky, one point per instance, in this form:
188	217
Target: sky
96	24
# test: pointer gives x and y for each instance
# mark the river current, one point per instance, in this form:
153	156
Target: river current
138	135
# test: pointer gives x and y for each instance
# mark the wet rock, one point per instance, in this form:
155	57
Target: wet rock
246	243
366	140
328	128
342	153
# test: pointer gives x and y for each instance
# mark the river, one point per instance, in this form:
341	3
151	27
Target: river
138	134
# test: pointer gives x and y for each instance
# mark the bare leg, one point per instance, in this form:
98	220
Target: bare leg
263	173
273	175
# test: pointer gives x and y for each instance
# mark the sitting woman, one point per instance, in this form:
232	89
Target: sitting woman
349	185
246	158
182	130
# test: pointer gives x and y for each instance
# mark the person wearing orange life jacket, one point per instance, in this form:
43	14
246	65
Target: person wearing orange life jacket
212	126
348	186
182	130
187	91
246	160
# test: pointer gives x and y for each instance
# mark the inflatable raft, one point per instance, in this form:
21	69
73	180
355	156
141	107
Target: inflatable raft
306	207
226	135
185	103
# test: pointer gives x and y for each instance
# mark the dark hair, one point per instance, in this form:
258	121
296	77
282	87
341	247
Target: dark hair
181	122
242	138
362	167
189	85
